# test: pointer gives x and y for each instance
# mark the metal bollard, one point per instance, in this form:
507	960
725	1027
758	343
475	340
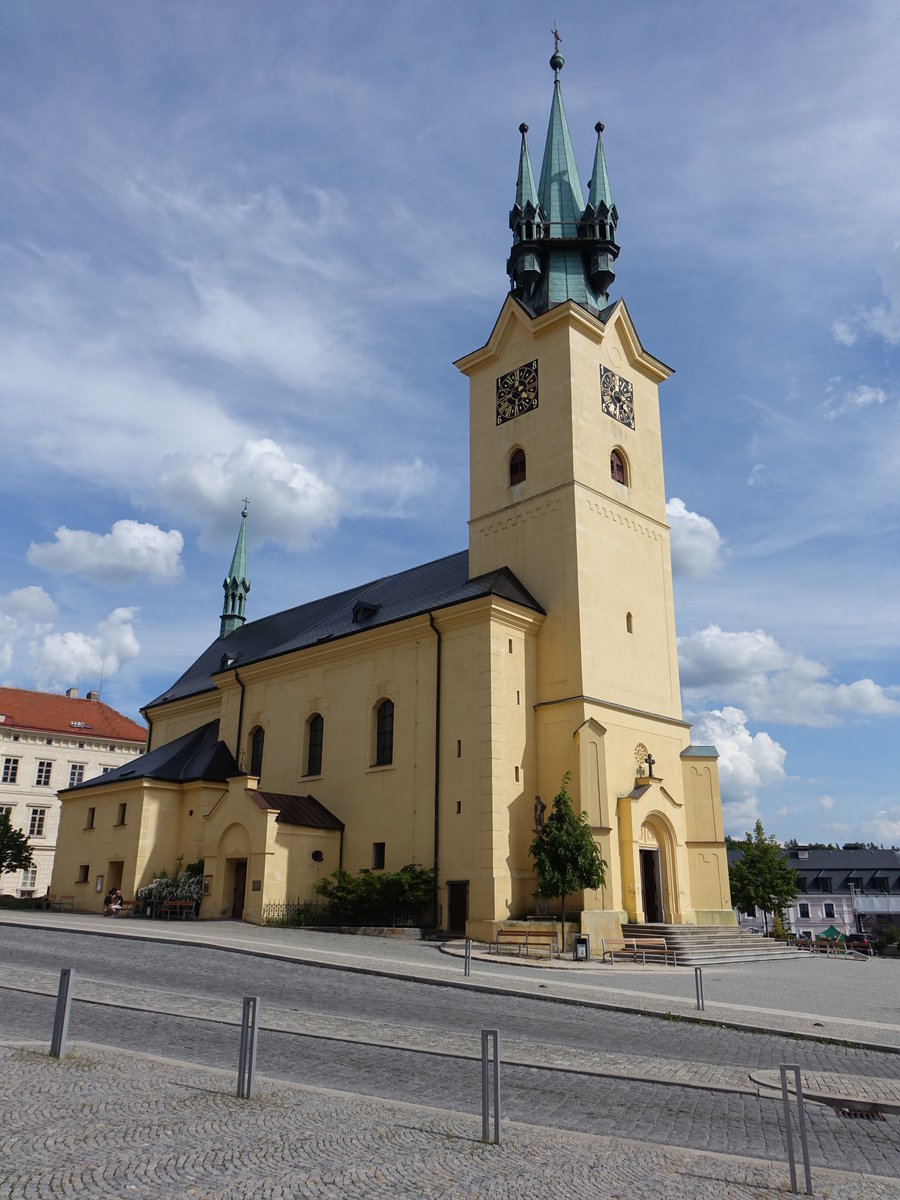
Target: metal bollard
467	961
493	1036
249	1033
61	1020
801	1120
698	986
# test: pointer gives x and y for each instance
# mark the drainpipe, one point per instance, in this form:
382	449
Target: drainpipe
437	761
237	748
146	717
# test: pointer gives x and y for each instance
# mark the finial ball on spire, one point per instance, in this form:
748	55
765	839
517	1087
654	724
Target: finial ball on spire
523	129
557	62
599	127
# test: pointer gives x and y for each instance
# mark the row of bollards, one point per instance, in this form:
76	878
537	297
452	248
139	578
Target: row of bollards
490	1067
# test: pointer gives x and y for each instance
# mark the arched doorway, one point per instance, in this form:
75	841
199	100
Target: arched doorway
234	854
657	865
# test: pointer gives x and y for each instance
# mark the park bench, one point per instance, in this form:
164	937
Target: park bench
654	949
526	938
130	908
54	903
185	910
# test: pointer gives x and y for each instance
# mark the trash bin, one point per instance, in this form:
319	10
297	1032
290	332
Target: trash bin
581	947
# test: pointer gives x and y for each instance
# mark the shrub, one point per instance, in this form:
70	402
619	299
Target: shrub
409	885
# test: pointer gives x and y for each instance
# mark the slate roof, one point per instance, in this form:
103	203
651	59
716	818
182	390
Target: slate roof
196	755
873	869
46	712
411	593
296	810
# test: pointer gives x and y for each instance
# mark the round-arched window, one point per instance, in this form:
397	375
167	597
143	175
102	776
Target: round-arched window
617	467
517	467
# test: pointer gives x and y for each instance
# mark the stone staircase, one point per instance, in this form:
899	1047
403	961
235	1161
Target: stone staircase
699	945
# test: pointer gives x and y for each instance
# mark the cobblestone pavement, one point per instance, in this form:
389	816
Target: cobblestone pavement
105	1126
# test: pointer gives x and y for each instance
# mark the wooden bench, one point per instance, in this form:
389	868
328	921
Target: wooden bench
654	949
526	938
130	908
185	910
54	903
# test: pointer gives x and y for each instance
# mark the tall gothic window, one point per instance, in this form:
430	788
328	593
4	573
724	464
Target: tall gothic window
384	733
257	742
315	729
617	467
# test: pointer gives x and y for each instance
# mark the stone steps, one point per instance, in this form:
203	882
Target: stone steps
700	945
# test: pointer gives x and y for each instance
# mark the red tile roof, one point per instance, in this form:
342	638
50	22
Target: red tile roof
46	712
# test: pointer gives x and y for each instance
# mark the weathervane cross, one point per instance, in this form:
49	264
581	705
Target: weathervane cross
556	39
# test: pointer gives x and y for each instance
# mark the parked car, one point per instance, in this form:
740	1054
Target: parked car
860	942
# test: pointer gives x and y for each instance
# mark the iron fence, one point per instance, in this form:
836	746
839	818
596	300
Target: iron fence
389	915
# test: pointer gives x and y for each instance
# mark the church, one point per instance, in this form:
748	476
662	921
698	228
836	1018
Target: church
430	716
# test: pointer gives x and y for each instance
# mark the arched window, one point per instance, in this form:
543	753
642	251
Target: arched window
384	733
617	467
315	728
257	741
629	623
517	467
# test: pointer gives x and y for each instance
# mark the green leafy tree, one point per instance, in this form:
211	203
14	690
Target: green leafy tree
566	857
761	878
15	853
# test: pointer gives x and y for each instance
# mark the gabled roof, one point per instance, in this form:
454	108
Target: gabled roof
423	589
296	810
45	712
194	756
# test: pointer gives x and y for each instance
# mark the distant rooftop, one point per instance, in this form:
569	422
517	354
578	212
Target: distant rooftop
49	712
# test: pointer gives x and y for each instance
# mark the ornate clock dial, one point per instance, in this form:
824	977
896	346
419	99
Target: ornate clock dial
517	392
617	397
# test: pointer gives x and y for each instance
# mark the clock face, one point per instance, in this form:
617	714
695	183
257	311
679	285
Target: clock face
617	396
517	392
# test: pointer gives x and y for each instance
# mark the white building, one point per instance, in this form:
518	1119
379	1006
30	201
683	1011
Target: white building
48	743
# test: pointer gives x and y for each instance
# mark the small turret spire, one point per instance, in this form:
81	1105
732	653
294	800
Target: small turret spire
236	584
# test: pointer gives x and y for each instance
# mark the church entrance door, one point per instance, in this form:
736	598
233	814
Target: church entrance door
240	888
653	913
457	906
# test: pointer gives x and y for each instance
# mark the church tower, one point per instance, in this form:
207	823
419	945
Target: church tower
567	491
236	583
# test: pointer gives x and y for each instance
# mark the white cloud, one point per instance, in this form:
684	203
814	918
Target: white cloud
130	550
60	659
290	503
751	669
695	540
827	802
29	604
881	320
884	827
747	762
860	397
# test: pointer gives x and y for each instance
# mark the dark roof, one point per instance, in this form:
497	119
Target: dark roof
47	712
433	586
297	810
197	755
839	867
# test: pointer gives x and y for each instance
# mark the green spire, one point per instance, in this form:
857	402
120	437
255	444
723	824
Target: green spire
560	189
236	584
562	249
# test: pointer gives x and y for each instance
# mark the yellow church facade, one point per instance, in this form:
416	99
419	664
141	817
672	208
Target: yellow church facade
429	717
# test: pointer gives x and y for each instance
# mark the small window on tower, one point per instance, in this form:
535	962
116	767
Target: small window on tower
517	467
617	467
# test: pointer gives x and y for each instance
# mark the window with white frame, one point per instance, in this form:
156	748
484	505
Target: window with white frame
29	876
42	775
10	770
6	808
36	822
829	910
76	773
803	911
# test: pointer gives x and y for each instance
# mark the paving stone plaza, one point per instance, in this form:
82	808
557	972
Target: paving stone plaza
112	1122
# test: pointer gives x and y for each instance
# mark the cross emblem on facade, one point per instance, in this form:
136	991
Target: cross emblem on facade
649	760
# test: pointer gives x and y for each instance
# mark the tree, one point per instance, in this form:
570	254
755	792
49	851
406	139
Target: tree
566	857
15	853
761	878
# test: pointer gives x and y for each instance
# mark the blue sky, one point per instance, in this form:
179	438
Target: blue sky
241	245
